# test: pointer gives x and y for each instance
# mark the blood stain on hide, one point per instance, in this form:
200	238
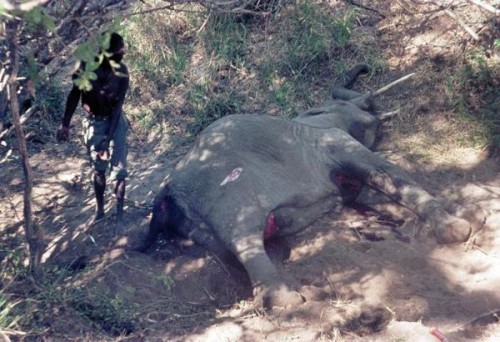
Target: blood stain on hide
271	226
349	186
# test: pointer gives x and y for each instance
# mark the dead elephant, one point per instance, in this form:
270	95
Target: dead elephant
250	177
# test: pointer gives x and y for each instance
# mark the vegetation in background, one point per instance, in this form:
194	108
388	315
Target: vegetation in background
106	310
188	70
302	53
474	91
8	320
17	18
207	106
70	298
224	38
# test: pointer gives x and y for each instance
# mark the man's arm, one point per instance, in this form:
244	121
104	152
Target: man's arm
71	103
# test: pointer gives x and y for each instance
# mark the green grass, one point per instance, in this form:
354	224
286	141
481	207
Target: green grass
206	107
225	37
474	92
161	59
186	62
51	99
81	300
204	68
106	310
57	297
311	37
8	319
318	46
167	281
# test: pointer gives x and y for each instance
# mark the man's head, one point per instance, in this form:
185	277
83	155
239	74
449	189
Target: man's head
117	47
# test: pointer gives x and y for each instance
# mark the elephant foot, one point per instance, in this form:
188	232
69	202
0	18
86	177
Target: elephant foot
472	213
450	229
277	295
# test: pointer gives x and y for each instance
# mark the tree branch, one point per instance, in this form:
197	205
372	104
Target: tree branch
33	233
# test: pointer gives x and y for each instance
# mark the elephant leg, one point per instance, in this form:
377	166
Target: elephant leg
269	288
394	182
242	232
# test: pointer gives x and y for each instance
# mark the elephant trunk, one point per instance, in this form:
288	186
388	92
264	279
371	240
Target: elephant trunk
340	90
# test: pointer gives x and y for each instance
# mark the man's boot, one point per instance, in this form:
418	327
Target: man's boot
99	188
120	199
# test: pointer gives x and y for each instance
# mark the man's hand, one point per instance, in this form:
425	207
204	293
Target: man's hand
103	150
63	134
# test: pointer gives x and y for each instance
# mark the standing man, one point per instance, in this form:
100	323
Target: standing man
104	127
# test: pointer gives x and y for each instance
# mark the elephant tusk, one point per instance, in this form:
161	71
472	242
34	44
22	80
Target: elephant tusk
387	115
392	84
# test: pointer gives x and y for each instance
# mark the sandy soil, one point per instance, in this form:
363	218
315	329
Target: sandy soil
365	274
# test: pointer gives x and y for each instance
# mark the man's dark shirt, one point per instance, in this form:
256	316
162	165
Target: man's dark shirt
106	97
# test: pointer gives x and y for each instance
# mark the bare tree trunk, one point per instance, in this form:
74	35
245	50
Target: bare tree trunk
33	234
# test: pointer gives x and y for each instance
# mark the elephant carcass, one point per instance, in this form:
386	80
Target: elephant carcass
250	177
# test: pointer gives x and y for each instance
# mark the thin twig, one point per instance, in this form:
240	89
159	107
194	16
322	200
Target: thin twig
233	6
3	80
459	21
204	24
406	7
221	263
351	2
356	231
495	313
25	117
480	249
485	6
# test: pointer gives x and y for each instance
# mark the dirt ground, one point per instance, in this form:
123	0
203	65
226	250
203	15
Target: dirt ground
367	276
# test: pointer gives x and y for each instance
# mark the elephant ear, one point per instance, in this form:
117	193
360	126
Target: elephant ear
340	90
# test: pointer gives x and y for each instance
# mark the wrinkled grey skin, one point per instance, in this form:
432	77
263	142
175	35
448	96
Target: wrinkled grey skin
291	168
